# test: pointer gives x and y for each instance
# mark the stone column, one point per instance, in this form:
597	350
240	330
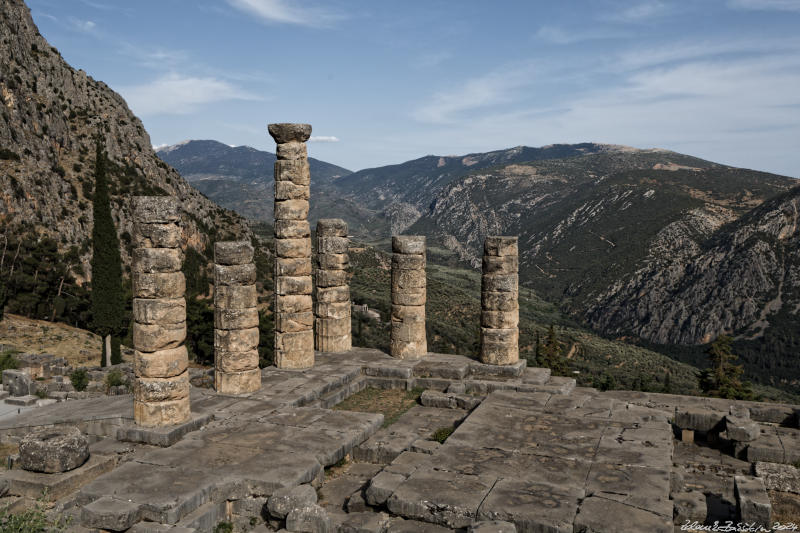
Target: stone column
294	316
235	319
408	297
332	304
500	302
161	389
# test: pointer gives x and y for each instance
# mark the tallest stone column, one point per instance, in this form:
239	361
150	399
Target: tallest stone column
294	316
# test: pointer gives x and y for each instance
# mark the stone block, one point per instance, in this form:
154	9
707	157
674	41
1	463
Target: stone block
499	346
332	343
408	262
285	132
687	435
283	501
331	227
233	252
155	337
309	519
408	350
236	318
780	477
409	296
156	209
295	171
364	522
332	278
236	361
166	413
294	322
293	303
532	506
293	248
285	266
492	526
162	363
291	210
151	390
332	309
109	513
500	246
162	285
332	327
499	301
333	294
167	235
234	274
235	296
382	486
159	310
408	331
236	340
408	244
500	283
157	260
699	419
741	429
18	383
51	450
597	513
287	190
408	279
291	151
292	229
689	506
500	319
332	245
301	341
333	261
752	500
500	265
242	382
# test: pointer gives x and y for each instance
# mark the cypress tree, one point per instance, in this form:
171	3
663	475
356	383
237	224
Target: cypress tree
108	307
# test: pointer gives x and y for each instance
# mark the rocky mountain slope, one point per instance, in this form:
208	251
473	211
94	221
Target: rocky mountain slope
50	118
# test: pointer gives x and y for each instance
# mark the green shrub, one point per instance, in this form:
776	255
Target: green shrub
223	527
41	393
8	361
79	379
115	378
441	434
31	520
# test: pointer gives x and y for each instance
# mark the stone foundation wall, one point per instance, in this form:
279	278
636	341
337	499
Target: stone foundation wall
332	304
236	332
408	338
161	388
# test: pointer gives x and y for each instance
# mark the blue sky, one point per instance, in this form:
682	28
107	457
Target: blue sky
384	82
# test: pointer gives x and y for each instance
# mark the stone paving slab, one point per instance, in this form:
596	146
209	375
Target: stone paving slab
532	506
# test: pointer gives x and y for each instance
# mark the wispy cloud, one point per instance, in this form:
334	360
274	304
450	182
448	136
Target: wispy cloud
558	35
86	26
288	12
323	139
175	94
641	11
765	5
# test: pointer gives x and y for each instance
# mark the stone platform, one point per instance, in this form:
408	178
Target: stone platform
529	452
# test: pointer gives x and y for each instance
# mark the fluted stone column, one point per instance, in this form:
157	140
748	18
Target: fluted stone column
332	305
500	301
408	339
294	316
235	319
161	389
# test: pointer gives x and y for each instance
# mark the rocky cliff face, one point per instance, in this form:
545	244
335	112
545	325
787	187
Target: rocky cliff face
51	115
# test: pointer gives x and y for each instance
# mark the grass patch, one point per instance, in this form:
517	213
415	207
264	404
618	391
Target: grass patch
6	451
391	403
441	434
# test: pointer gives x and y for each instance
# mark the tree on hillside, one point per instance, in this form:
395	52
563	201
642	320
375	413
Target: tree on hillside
108	307
550	354
724	379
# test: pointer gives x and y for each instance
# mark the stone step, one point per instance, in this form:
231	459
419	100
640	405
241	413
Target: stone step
22	400
205	518
337	395
3	394
536	376
554	385
480	370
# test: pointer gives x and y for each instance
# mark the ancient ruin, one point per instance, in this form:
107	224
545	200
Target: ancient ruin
500	301
161	388
332	296
235	319
408	337
294	317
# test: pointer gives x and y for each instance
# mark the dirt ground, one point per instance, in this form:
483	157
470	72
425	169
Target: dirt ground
391	402
785	507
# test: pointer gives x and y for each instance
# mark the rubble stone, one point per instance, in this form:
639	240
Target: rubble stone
52	450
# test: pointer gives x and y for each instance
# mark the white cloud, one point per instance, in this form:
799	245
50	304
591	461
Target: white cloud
765	5
323	139
642	11
174	94
86	26
287	12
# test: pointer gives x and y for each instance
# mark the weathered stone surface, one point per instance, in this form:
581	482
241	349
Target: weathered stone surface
293	248
332	309
236	361
155	337
382	486
161	389
293	170
291	151
156	209
234	274
499	319
689	506
752	500
162	363
52	450
292	229
364	522
283	501
285	266
162	285
332	327
500	283
331	227
18	383
286	190
109	513
332	278
531	506
293	303
408	262
332	245
408	279
499	346
159	310
500	265
499	301
408	244
781	477
698	419
236	318
294	350
291	210
309	519
294	322
409	297
166	413
157	235
284	132
741	429
238	382
601	515
333	294
500	246
157	260
233	252
236	340
235	296
492	526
